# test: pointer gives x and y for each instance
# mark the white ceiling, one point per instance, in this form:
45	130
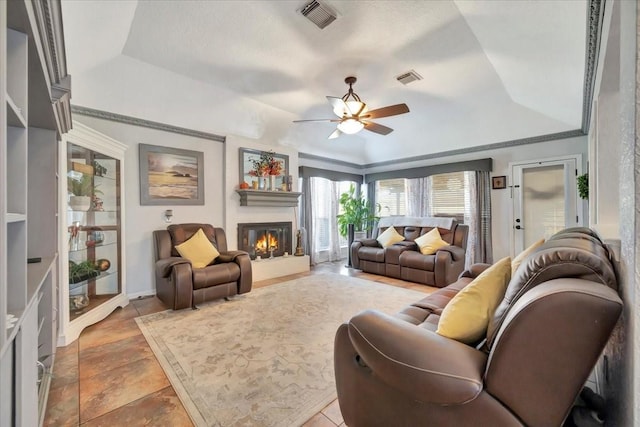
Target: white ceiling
493	70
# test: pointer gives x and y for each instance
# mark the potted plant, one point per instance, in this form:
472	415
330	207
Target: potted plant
356	210
82	190
81	271
583	186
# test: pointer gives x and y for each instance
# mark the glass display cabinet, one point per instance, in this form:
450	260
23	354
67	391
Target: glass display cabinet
93	282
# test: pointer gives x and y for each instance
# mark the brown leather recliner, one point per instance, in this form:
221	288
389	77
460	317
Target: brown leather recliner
179	285
543	340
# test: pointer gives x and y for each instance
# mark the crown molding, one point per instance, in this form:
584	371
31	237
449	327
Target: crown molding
329	160
119	118
594	33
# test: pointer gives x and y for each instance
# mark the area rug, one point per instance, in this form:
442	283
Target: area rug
264	358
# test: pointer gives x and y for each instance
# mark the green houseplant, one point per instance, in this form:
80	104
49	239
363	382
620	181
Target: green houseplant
583	186
82	271
82	190
356	210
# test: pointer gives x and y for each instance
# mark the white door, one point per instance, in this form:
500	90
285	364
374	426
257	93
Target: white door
544	200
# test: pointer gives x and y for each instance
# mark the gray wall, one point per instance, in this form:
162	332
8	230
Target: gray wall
140	221
615	188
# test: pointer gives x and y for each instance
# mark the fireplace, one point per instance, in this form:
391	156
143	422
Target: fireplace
265	239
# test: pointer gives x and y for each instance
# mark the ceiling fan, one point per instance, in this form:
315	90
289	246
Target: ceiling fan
354	115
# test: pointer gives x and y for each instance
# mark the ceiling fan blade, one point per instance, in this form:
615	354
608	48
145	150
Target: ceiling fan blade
317	120
338	104
376	128
336	133
391	110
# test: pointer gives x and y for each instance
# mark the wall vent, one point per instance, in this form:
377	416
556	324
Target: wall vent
318	13
408	77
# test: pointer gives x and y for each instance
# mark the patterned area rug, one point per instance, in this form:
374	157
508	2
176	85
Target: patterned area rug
264	358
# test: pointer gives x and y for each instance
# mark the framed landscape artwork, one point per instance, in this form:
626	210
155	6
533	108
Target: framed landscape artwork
171	176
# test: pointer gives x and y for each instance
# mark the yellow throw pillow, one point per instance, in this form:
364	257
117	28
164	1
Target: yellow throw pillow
389	237
198	249
430	242
467	315
522	255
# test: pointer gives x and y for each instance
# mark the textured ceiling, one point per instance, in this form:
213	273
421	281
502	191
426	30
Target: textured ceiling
493	70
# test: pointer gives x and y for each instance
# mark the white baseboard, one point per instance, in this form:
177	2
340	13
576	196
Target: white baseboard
147	293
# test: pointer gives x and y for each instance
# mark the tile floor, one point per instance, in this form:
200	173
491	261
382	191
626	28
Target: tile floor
110	377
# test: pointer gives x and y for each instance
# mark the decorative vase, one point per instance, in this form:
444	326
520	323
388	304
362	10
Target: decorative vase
272	185
262	183
80	203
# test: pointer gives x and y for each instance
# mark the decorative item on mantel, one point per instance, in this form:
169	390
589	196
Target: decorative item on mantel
266	166
301	238
262	170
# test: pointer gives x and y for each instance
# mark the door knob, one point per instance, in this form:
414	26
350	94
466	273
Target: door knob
519	228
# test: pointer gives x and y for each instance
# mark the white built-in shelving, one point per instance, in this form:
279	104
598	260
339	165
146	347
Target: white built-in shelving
34	114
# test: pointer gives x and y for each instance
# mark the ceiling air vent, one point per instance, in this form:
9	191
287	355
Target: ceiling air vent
318	13
408	77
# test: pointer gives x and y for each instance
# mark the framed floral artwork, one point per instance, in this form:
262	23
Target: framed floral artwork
255	164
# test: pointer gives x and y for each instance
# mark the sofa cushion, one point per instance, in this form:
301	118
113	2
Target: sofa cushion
426	312
563	256
414	259
389	237
467	315
216	274
430	243
198	249
515	263
367	253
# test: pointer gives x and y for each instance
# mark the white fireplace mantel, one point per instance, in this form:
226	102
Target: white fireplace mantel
268	198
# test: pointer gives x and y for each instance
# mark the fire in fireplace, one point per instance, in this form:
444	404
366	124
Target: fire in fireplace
265	239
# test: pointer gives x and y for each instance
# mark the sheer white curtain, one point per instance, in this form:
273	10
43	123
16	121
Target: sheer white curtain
477	215
417	200
325	245
470	217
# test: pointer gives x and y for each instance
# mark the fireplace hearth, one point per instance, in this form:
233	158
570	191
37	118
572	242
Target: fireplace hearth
265	239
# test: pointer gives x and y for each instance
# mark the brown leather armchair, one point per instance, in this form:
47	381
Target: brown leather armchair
543	340
179	285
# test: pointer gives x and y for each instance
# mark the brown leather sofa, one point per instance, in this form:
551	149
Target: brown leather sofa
543	340
404	261
179	285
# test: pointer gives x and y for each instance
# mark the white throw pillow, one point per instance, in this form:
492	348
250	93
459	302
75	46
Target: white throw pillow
389	237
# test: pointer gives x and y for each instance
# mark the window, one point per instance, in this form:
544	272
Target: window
391	195
325	202
449	195
445	194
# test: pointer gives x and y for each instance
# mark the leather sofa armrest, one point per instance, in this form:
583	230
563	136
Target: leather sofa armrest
244	262
165	265
230	256
475	270
457	253
369	242
416	361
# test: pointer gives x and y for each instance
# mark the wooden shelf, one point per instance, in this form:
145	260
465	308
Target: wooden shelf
268	198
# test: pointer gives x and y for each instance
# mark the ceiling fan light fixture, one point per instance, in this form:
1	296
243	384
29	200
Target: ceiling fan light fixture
354	108
350	126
